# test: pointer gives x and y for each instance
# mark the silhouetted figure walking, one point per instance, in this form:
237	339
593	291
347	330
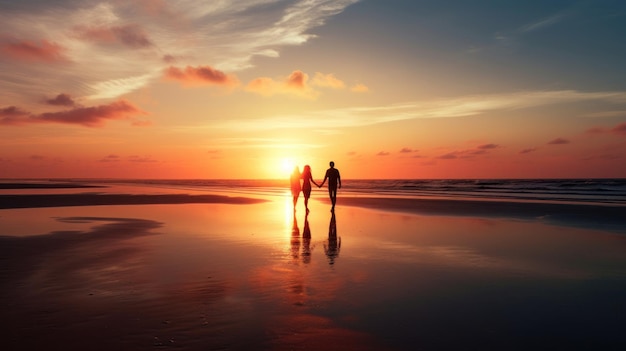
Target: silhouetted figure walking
334	182
307	178
295	185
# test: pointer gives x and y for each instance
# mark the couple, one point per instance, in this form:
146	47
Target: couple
334	181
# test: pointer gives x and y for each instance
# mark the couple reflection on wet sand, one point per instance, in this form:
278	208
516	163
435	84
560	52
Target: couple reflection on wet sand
301	247
304	244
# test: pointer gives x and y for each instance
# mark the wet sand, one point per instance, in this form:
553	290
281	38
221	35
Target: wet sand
236	273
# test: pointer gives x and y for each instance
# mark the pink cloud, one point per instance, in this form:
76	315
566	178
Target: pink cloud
527	151
479	150
12	115
619	129
12	111
297	79
488	146
130	35
61	100
596	130
141	159
31	51
201	75
86	116
110	158
558	141
449	156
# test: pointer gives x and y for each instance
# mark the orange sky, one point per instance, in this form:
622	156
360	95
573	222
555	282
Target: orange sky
179	89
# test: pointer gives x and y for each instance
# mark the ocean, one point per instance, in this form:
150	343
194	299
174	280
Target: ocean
592	191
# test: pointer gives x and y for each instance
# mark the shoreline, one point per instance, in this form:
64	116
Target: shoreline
605	216
63	200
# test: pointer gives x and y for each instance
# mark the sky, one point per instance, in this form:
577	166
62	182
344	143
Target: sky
246	89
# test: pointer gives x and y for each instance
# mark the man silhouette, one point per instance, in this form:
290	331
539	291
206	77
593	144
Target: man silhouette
334	180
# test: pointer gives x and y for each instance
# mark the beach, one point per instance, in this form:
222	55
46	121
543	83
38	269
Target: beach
112	266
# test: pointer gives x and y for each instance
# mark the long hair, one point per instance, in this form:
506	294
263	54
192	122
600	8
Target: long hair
306	171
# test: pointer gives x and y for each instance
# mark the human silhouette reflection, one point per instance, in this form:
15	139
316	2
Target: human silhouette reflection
306	241
295	238
332	247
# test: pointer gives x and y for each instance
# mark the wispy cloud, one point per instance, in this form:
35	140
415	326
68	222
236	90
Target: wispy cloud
479	150
619	130
263	143
130	35
116	47
528	150
95	116
44	50
558	141
542	23
328	81
201	75
467	106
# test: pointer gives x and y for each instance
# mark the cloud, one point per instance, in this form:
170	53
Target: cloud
488	146
141	159
469	153
596	130
527	151
619	129
12	111
405	150
297	83
359	88
465	106
61	100
45	51
228	34
201	75
110	158
130	35
383	153
558	141
294	84
449	156
327	81
543	23
169	59
86	116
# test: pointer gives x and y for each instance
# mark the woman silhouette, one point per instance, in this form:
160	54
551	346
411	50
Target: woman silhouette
307	178
295	185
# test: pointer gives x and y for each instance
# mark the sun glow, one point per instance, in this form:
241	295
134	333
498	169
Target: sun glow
287	165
